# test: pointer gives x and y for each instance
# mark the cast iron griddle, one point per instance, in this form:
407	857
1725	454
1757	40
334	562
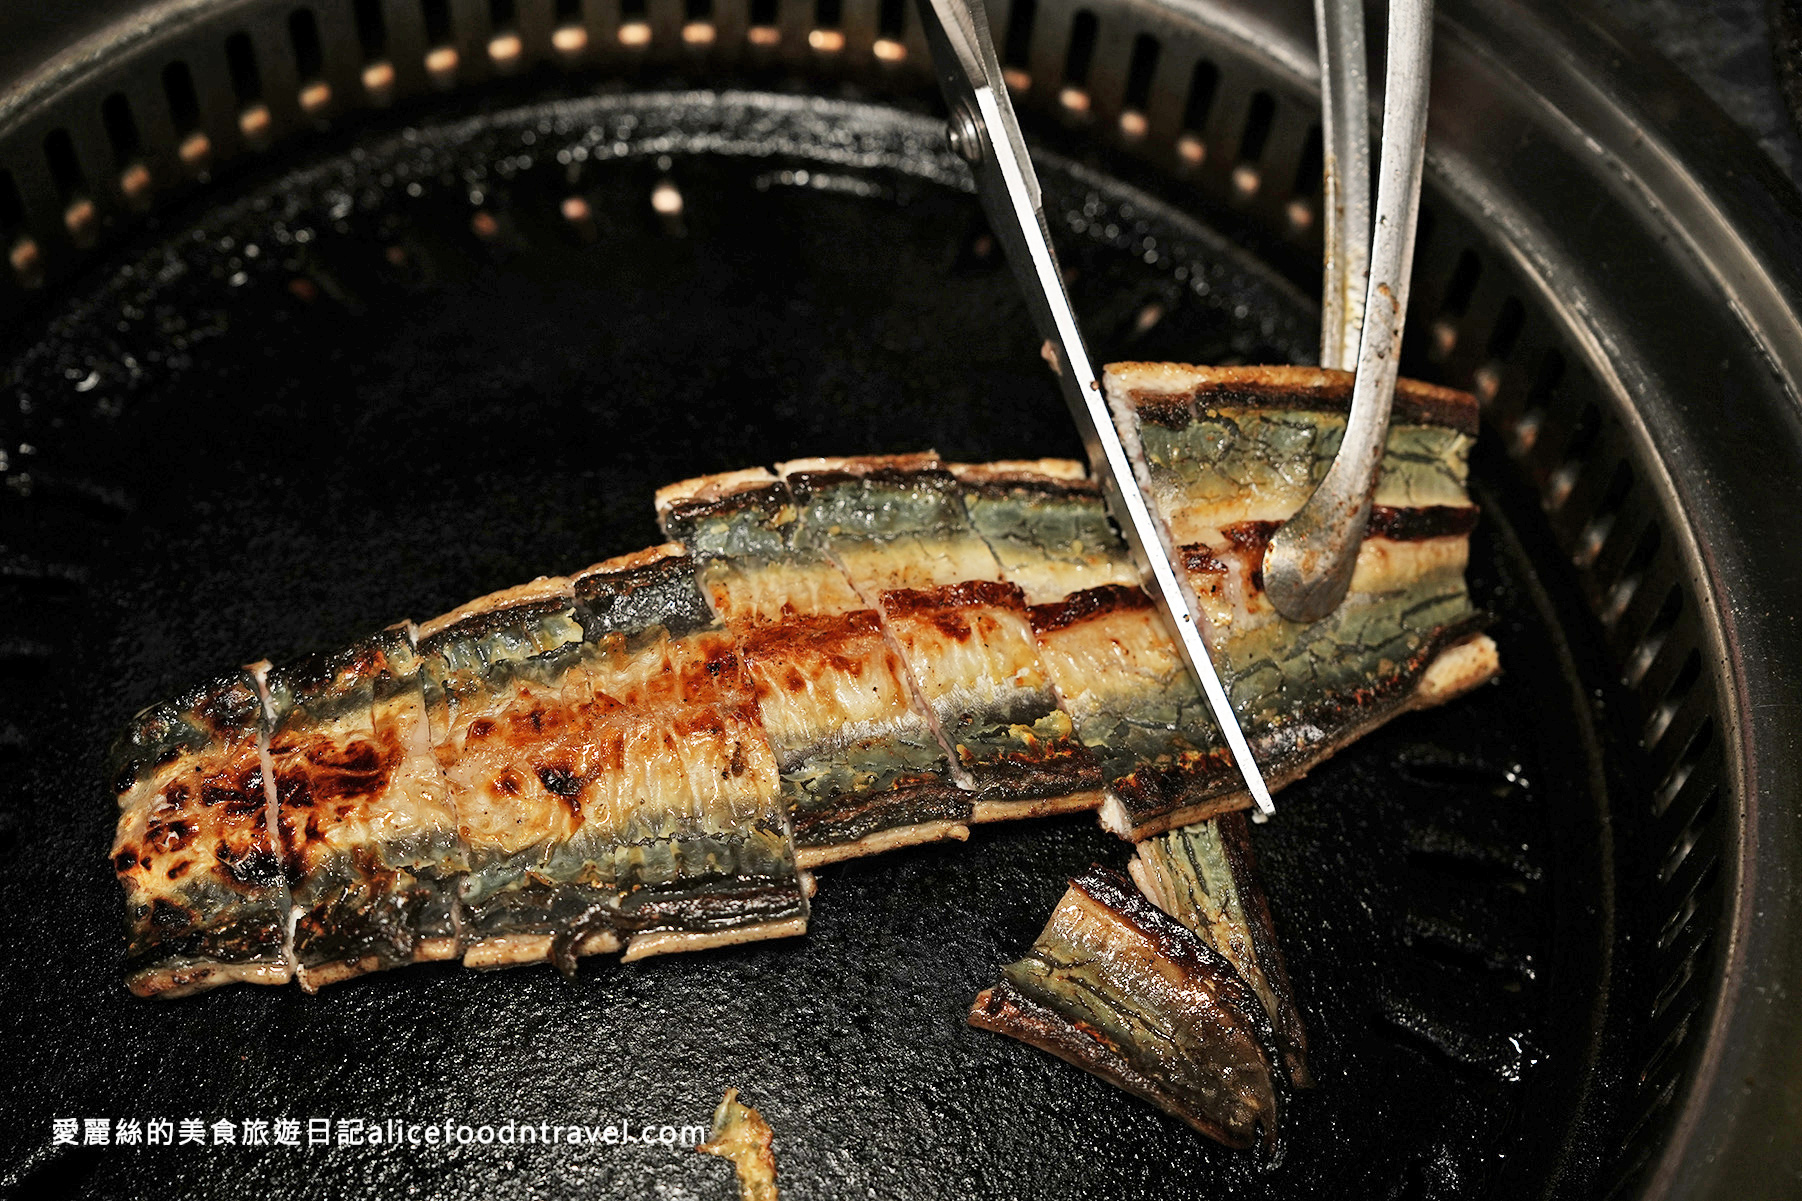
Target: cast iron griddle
329	402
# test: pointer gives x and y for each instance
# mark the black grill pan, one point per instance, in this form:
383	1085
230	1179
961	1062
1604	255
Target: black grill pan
377	385
299	339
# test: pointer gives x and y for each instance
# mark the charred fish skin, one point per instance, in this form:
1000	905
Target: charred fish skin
708	856
206	899
897	527
369	846
1205	877
860	764
1120	989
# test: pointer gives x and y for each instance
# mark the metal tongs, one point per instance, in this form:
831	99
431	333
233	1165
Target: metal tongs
984	132
1308	565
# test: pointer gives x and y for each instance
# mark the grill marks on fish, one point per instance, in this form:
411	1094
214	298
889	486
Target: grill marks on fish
706	858
643	796
896	527
852	655
505	698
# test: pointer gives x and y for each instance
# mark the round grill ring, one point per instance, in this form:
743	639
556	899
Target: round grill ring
1624	319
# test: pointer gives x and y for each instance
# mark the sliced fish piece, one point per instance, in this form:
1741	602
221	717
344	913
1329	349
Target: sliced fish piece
1204	876
1135	704
1232	452
896	526
205	897
612	781
368	835
1235	444
418	797
702	849
505	699
861	767
1120	989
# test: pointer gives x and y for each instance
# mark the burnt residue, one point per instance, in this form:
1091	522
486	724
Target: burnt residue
1087	604
1421	523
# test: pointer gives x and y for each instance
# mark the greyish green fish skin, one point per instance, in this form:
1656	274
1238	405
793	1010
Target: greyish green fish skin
689	873
838	787
1293	672
1160	719
1015	745
882	504
1024	526
1227	454
1118	988
1205	877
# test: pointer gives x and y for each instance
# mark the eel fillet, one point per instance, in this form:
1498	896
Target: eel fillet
828	660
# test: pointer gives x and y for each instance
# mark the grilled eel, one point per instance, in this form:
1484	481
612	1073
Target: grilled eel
1117	987
830	659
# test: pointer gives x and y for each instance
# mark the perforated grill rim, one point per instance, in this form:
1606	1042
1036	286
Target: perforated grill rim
80	167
